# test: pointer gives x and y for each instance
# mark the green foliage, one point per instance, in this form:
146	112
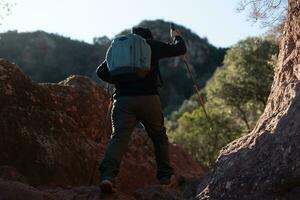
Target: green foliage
236	96
4	9
243	84
49	57
102	41
204	138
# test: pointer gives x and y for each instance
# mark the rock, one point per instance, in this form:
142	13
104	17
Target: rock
86	193
183	163
140	160
53	136
186	189
265	163
10	173
42	141
10	190
158	192
85	102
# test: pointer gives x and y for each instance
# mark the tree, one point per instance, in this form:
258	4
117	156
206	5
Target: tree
4	9
236	95
270	13
243	84
104	40
202	138
265	163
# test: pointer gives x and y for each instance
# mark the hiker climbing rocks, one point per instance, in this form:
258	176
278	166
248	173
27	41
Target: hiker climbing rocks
132	65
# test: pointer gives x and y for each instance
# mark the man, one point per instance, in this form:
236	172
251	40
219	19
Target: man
138	101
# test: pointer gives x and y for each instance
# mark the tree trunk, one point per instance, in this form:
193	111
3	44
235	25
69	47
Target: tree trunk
265	164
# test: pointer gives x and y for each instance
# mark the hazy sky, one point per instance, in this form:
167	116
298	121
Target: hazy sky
84	19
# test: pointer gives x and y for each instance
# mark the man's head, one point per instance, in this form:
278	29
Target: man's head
143	32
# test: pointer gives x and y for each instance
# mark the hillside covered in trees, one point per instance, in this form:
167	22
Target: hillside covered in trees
236	96
49	57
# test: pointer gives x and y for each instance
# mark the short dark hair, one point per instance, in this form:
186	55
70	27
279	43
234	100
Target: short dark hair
143	32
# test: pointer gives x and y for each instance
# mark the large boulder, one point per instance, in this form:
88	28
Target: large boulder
55	134
265	163
84	101
42	140
85	193
11	190
138	168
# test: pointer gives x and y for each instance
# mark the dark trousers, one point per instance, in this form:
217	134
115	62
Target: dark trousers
126	113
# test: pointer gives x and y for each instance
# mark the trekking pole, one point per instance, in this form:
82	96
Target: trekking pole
196	86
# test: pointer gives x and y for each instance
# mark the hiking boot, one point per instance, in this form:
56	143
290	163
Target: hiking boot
168	181
108	186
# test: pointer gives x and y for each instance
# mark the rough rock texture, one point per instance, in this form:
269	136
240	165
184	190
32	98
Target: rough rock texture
84	101
40	140
10	190
140	160
265	164
186	189
85	193
10	173
158	192
52	135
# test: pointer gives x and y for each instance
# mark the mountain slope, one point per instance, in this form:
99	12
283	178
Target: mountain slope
51	58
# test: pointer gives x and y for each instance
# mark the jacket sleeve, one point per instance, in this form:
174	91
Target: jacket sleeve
103	73
174	49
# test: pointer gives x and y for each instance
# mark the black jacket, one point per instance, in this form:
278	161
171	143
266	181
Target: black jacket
152	81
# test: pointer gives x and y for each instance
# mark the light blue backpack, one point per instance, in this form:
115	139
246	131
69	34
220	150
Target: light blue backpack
128	58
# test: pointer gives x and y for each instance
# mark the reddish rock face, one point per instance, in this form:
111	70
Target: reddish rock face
84	101
265	163
11	190
138	168
42	141
18	191
53	135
